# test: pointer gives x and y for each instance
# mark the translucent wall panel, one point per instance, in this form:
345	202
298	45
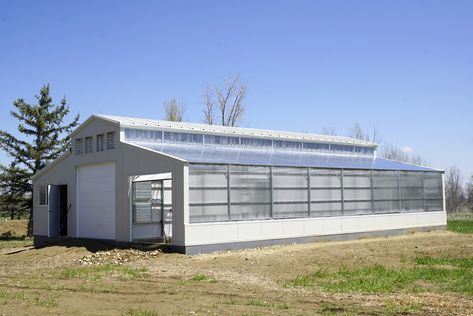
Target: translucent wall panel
236	192
250	192
285	144
244	212
433	195
208	213
221	140
188	138
411	185
208	194
290	192
143	135
357	192
325	193
386	191
323	209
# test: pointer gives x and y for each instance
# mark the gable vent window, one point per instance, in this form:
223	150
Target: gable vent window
100	142
111	140
88	145
78	146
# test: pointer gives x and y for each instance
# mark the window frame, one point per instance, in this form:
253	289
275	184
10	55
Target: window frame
43	195
100	142
78	144
88	148
111	141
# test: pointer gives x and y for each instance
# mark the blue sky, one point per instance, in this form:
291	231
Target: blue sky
403	67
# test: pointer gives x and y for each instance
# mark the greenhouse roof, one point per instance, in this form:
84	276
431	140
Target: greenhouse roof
249	156
140	123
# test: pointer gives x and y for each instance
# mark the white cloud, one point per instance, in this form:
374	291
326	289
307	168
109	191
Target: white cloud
407	149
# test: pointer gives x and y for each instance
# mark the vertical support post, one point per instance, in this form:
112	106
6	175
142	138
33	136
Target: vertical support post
228	194
309	211
399	188
372	192
423	191
271	191
342	191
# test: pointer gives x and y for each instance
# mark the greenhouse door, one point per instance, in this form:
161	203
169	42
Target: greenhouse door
152	214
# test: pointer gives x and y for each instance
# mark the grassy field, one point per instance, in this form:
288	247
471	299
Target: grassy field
416	274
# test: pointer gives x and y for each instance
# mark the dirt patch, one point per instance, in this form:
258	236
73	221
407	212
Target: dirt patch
239	282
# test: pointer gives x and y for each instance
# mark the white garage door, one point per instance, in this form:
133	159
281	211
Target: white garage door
96	201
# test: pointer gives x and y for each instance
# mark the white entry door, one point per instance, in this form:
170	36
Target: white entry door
96	201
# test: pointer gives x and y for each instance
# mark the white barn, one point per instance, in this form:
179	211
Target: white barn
202	188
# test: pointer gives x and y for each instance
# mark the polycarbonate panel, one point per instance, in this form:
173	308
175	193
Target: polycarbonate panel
188	138
156	213
411	205
386	206
326	209
342	148
385	194
202	176
249	156
250	195
199	196
356	194
250	211
142	135
357	208
221	140
433	185
208	213
326	195
325	178
256	142
249	177
292	210
289	177
287	145
356	178
292	195
433	205
316	146
411	184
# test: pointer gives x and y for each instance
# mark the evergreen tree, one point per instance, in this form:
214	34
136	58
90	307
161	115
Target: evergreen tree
45	136
14	187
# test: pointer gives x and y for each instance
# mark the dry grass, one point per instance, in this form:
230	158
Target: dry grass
54	280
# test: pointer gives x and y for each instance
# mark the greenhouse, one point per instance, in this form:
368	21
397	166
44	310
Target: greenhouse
203	188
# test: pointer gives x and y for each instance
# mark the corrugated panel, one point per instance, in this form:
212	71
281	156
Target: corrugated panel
244	156
251	132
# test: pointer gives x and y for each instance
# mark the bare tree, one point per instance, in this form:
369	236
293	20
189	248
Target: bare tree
469	193
209	107
227	101
454	194
331	131
358	132
174	110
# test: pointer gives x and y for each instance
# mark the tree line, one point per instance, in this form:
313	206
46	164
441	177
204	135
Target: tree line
44	128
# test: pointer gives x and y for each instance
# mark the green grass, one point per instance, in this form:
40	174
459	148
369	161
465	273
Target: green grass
456	262
101	271
202	277
378	279
460	226
48	302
